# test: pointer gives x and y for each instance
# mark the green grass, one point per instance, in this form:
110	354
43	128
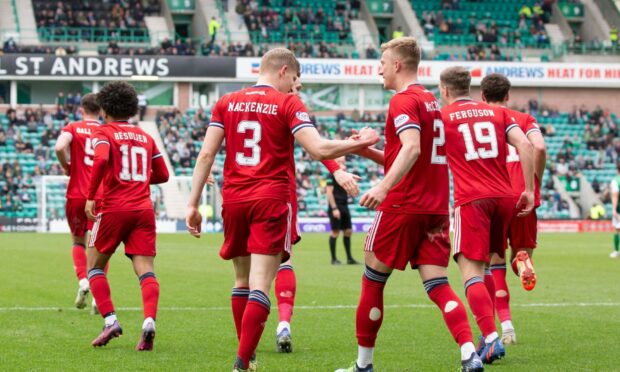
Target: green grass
195	329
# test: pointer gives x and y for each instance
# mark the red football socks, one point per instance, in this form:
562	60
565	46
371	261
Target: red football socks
79	260
238	301
150	294
253	324
502	295
285	287
452	309
369	315
101	291
490	284
481	305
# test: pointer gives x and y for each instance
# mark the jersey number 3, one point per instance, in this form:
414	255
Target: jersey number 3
249	143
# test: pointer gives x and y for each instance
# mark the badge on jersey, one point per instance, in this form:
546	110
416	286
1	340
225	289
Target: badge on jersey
400	120
303	116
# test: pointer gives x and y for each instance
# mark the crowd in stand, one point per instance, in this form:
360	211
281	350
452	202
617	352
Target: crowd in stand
15	181
11	47
532	22
125	14
300	24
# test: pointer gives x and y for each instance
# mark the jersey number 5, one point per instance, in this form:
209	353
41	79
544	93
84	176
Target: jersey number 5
489	138
135	152
89	152
249	143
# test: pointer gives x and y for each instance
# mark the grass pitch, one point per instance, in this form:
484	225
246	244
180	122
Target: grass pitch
569	322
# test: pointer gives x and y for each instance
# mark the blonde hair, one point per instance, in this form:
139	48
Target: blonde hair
406	50
274	59
457	79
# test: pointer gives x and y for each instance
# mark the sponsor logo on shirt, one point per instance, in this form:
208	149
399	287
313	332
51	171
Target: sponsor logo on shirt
400	120
303	116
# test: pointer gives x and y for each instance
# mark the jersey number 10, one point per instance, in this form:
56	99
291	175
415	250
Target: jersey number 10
129	158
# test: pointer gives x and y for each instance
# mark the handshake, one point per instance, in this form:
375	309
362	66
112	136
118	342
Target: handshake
366	135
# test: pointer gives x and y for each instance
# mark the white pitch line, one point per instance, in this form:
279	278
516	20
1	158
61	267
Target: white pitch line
312	307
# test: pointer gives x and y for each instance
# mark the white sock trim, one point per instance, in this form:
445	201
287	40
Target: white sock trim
283	325
507	326
147	321
364	356
467	349
84	284
110	319
491	337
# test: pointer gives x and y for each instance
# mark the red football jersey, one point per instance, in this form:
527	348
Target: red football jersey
259	123
82	153
127	177
425	188
528	124
476	148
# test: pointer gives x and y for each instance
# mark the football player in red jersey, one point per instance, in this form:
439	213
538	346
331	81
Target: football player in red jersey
476	138
260	125
74	140
523	230
127	161
412	224
285	285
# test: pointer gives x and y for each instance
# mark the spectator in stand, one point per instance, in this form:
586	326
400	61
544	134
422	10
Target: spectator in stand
214	26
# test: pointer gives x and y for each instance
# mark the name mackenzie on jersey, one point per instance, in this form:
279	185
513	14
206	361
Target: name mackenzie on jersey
257	107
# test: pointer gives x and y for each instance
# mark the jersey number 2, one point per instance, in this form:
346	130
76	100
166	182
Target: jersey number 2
135	175
249	143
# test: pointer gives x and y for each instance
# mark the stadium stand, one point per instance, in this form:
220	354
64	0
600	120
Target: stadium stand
309	28
72	21
503	22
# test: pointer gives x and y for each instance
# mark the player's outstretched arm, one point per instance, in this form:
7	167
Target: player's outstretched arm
540	153
202	170
614	198
322	149
62	148
517	138
407	156
370	153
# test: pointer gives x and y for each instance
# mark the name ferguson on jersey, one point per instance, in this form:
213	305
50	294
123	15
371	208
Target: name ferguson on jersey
473	113
261	108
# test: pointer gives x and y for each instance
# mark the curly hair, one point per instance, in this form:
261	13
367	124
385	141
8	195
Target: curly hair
118	99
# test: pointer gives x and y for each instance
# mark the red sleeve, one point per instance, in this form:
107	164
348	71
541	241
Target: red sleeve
531	125
331	165
509	122
217	119
101	146
296	114
405	113
69	128
159	169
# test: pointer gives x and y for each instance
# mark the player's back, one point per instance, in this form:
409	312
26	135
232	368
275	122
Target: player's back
259	123
425	188
476	149
528	124
127	179
81	157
